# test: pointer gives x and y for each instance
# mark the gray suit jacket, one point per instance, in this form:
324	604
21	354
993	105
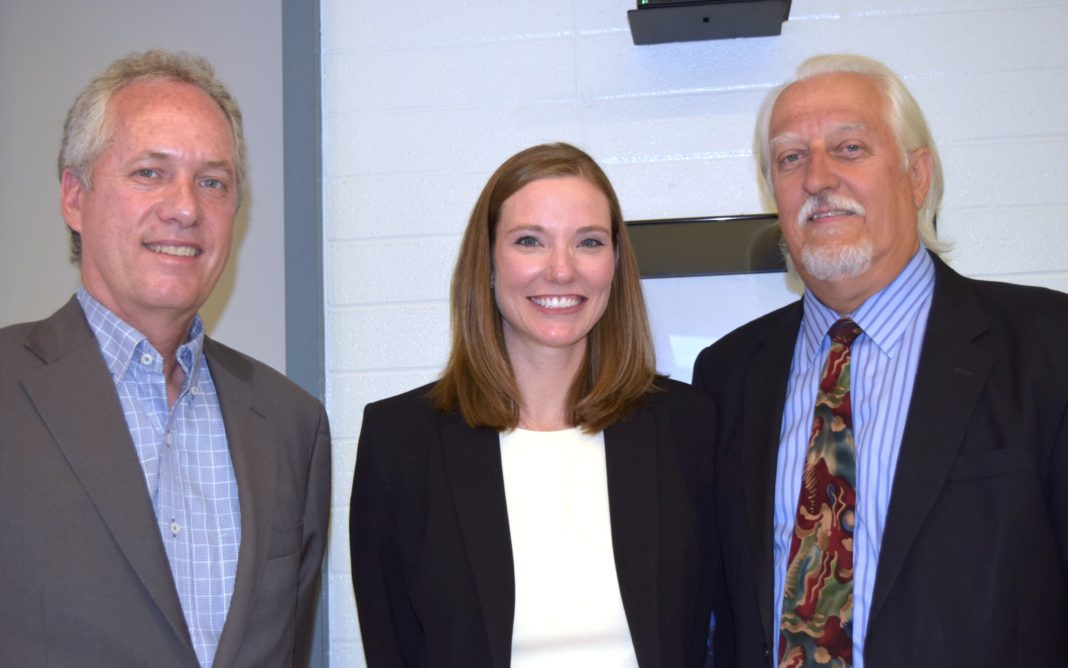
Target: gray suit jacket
84	580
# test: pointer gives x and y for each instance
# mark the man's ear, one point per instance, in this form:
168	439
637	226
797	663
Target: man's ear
921	168
71	190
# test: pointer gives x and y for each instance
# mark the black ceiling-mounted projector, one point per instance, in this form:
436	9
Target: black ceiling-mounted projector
660	21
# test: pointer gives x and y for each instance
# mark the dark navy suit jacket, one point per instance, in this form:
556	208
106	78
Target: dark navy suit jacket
974	559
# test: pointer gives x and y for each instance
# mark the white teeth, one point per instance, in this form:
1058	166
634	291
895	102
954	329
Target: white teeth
828	214
556	302
817	208
180	251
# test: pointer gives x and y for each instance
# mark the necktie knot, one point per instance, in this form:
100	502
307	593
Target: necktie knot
844	332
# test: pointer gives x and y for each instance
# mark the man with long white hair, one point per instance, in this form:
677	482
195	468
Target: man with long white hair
893	448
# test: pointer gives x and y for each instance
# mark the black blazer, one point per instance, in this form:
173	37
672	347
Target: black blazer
432	556
973	564
84	579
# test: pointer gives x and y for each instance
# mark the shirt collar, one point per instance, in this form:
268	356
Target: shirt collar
120	343
884	316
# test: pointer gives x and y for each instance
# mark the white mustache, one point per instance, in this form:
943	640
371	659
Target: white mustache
828	203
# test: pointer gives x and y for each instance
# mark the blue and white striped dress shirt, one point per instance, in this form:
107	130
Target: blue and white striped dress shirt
883	369
186	460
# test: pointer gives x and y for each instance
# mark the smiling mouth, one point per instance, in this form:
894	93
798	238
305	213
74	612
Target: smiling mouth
831	214
570	301
176	251
818	208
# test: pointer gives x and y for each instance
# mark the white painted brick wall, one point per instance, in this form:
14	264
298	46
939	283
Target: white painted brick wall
422	100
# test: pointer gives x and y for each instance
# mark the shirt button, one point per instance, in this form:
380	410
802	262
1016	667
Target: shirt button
175	528
169	438
194	390
147	359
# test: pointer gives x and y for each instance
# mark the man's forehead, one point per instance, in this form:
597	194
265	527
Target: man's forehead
157	114
819	86
839	102
155	101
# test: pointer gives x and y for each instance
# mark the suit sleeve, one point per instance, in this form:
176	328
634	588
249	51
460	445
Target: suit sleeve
1058	477
390	630
723	618
1052	324
316	517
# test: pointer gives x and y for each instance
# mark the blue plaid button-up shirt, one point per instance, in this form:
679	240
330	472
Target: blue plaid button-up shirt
186	461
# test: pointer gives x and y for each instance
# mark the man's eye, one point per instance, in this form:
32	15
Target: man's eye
146	173
213	183
790	157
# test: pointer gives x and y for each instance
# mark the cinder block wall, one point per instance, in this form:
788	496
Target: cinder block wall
422	100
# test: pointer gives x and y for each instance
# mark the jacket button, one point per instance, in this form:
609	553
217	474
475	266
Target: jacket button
767	653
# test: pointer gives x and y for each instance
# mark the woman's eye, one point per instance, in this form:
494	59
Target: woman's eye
591	243
526	241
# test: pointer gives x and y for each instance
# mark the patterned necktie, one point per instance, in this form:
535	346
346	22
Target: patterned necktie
817	610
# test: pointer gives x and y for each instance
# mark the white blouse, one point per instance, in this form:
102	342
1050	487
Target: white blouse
568	609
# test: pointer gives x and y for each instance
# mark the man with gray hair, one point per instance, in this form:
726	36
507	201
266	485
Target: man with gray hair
163	498
892	465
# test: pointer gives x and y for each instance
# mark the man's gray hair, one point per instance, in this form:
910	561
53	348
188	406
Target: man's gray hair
906	121
87	130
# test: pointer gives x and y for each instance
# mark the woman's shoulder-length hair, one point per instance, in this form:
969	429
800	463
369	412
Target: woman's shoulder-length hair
620	365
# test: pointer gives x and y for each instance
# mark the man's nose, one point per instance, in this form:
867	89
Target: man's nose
181	204
820	173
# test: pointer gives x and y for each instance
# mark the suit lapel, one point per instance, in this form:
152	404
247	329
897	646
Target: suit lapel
76	399
763	401
953	367
473	464
255	465
630	459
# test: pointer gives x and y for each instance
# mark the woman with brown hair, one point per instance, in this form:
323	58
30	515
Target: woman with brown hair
546	501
